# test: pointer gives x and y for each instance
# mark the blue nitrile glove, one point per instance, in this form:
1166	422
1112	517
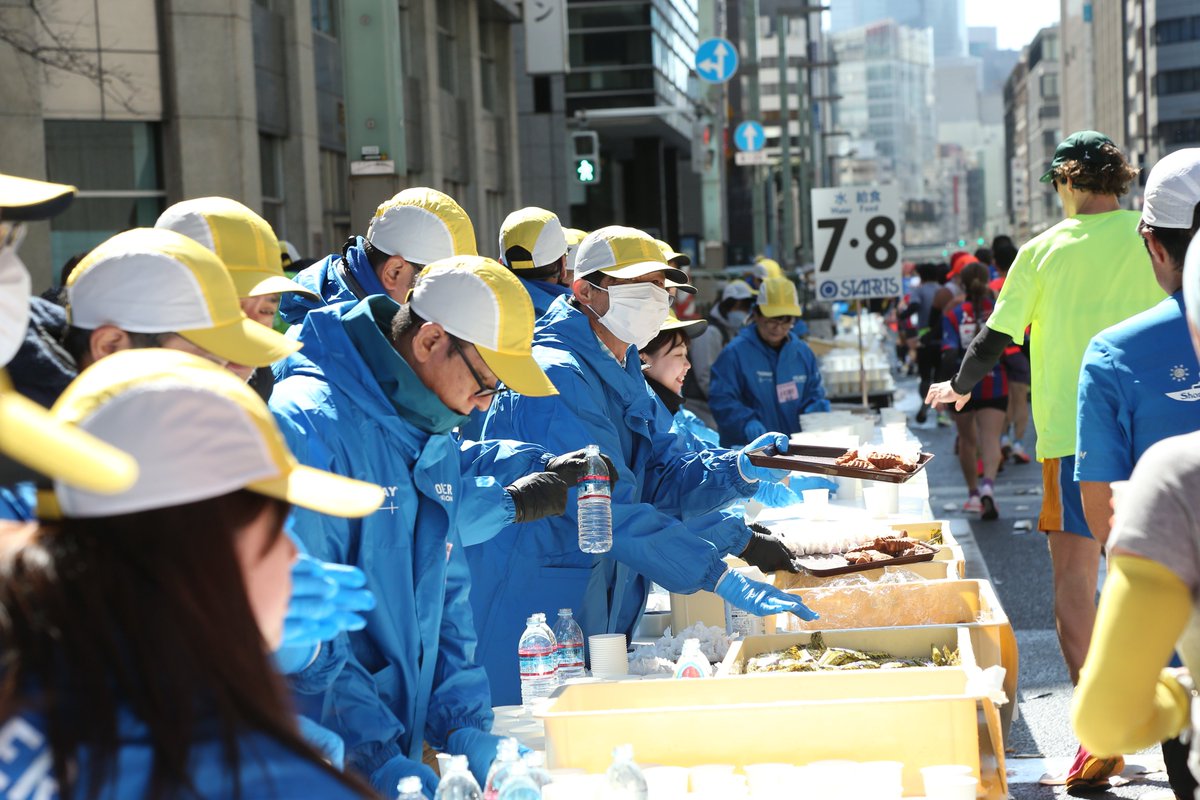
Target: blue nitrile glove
754	429
479	748
326	600
328	743
760	598
387	776
753	473
777	495
801	482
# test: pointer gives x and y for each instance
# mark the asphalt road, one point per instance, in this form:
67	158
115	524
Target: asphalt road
1018	564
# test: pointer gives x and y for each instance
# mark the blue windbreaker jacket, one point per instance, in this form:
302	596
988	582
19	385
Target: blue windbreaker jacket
328	281
751	381
411	675
538	566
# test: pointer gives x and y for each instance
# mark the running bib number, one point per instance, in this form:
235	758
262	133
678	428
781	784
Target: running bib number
786	391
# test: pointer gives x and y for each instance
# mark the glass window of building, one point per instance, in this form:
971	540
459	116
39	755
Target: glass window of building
325	17
270	160
116	166
447	55
488	85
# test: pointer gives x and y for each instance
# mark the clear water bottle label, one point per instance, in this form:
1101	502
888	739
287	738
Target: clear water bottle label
570	656
537	662
594	486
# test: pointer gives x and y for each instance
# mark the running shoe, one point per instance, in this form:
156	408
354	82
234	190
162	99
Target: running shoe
988	507
1090	773
1019	455
1005	449
973	505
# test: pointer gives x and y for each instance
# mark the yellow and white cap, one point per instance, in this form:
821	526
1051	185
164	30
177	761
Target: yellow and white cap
574	236
530	238
288	254
422	225
197	432
481	302
151	280
769	267
691	327
26	200
241	239
33	437
673	256
622	253
737	290
777	298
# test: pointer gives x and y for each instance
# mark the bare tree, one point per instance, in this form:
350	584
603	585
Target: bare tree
49	43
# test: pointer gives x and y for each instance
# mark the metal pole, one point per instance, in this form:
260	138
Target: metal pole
862	359
750	27
804	115
785	155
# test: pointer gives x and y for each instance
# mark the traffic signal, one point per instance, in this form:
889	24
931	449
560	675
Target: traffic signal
981	241
585	157
962	242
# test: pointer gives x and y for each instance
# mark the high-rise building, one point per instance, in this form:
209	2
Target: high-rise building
884	79
1033	129
630	81
947	19
141	104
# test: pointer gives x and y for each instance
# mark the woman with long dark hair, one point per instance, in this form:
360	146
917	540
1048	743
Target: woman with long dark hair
136	629
981	420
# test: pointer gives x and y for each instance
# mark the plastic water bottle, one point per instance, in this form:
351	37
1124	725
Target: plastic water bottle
535	761
625	779
410	789
458	783
508	752
520	785
538	662
568	637
595	504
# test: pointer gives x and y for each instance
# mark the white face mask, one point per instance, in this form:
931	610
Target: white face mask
738	319
15	287
635	312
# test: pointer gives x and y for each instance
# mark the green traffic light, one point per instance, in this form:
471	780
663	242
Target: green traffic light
585	170
981	241
962	242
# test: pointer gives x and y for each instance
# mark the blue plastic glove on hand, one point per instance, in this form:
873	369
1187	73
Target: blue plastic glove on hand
387	776
328	743
326	600
799	483
754	429
479	748
753	473
760	598
777	495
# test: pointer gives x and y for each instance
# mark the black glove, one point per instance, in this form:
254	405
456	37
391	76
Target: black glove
542	494
767	551
570	467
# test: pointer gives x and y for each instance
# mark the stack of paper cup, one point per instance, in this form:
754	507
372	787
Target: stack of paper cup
771	780
609	657
816	502
949	782
882	499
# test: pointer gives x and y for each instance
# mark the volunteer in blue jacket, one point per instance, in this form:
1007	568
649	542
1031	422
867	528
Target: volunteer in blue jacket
533	245
766	377
587	344
33	443
138	625
375	394
416	227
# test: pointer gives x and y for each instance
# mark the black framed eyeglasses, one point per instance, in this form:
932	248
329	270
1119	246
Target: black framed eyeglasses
484	389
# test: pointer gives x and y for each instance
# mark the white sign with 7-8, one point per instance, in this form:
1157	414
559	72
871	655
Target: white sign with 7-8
856	242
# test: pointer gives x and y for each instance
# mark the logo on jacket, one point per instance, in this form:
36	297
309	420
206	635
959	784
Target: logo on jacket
1179	373
764	376
1186	395
445	491
390	493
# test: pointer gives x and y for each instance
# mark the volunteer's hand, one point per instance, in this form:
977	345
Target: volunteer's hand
760	598
754	429
328	743
753	473
767	551
943	394
479	748
777	495
570	467
385	778
536	496
326	600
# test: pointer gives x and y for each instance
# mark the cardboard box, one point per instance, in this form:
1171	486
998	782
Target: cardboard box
898	642
920	717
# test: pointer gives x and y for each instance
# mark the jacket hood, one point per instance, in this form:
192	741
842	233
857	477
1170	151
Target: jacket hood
319	278
41	368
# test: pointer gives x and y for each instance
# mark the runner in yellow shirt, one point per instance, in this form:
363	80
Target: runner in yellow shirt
1069	283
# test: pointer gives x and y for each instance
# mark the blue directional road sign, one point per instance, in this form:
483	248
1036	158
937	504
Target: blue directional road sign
716	60
749	136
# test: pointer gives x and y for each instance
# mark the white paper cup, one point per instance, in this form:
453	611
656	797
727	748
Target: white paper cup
575	787
882	779
771	780
608	656
951	787
666	783
816	502
882	499
937	776
707	774
848	488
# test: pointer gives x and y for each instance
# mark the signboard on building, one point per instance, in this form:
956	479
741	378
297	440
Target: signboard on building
546	37
856	242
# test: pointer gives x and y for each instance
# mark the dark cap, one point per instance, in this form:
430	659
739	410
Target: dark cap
1079	146
27	200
